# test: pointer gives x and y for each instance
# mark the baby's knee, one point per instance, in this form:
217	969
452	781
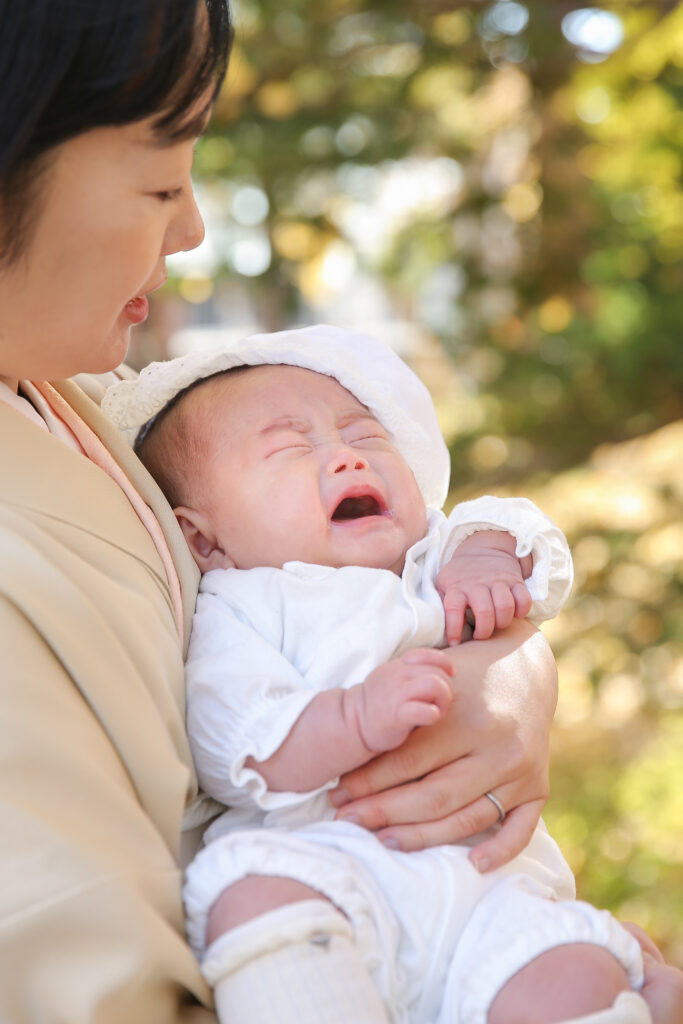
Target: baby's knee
562	984
251	897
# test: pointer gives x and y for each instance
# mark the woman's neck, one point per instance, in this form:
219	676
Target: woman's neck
11	382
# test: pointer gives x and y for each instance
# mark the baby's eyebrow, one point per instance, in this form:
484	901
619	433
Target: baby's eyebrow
349	416
286	423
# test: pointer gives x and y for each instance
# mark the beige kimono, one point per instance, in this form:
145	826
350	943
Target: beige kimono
95	769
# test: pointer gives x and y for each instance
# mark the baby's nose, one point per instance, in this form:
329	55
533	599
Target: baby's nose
346	460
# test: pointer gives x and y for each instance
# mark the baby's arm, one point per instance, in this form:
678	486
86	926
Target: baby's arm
341	729
503	558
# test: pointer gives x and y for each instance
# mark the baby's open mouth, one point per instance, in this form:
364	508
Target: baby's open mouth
357	508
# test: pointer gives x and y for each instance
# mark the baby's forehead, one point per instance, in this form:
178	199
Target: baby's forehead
265	387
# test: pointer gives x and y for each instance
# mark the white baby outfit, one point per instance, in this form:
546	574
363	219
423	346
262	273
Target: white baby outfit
438	939
434	933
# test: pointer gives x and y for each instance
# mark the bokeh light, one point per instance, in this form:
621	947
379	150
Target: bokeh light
594	31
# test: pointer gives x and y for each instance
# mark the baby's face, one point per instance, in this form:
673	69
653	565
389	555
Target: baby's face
296	469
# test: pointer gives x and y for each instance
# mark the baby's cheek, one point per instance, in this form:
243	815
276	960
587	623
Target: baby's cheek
418	517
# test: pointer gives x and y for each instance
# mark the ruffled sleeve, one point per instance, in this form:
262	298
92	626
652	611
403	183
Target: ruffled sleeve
243	697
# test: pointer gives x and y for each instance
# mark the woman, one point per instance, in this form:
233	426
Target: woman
102	103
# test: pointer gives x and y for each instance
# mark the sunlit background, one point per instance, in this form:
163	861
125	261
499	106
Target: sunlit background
495	189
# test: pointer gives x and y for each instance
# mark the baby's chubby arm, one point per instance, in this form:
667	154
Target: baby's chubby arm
341	729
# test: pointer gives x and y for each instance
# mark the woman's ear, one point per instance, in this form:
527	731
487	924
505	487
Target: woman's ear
202	541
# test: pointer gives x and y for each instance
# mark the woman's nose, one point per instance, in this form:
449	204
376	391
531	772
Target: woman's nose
187	229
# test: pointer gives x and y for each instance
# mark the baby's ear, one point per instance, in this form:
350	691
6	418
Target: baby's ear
202	541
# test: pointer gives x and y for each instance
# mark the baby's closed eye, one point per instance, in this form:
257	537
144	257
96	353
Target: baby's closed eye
366	432
288	441
294	447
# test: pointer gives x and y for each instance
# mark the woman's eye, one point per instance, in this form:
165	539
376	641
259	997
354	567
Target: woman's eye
168	195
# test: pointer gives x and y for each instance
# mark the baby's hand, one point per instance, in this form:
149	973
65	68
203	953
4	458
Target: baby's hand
486	576
412	690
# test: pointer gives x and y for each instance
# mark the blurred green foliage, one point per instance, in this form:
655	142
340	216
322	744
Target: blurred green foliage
516	198
616	803
547	259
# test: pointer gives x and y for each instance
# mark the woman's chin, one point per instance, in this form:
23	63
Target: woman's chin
97	359
112	353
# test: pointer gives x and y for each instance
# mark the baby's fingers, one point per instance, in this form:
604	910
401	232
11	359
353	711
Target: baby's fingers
522	599
428	656
454	606
418	712
483	609
503	604
429	688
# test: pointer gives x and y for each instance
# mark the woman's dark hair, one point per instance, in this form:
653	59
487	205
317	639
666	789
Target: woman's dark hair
67	66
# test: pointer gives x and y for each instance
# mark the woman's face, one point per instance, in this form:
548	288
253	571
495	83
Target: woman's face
113	204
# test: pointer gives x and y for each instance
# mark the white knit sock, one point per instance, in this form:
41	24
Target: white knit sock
628	1008
294	965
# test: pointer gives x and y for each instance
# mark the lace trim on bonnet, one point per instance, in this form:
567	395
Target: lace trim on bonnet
365	366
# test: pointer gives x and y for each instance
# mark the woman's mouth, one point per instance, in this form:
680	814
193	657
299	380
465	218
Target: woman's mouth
137	309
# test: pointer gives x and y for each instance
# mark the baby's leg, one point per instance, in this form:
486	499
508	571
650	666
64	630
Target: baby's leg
524	957
281	953
579	982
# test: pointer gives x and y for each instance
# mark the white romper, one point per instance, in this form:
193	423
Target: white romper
439	938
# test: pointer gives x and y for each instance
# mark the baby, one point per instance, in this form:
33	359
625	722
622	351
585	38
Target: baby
307	470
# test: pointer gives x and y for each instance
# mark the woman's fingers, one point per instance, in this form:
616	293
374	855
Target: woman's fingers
430	797
448	801
510	839
423	752
477	817
426	800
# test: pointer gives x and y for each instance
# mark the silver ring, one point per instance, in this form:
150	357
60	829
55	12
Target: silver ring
498	805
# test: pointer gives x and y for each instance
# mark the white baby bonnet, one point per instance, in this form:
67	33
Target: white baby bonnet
365	366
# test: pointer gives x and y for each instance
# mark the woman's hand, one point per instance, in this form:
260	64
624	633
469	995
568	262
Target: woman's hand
493	738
